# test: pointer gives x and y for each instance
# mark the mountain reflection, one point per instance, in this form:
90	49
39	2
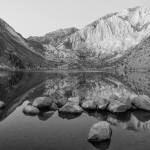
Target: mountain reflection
17	87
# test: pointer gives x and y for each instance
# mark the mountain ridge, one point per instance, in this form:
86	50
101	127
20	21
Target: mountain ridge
103	43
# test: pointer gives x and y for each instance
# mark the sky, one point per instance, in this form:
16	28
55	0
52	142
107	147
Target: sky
38	17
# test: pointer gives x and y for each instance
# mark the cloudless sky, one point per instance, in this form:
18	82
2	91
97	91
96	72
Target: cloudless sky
38	17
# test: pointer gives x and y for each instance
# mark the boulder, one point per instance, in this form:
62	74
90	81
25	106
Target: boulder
90	105
53	107
113	97
61	101
126	101
30	110
117	106
102	104
100	131
2	104
42	102
142	102
71	107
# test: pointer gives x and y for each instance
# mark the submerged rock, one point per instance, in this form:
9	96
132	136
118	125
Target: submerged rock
2	104
71	107
100	131
142	102
117	106
42	102
30	110
91	105
102	104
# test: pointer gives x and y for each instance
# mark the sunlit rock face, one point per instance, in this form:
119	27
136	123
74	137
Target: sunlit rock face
119	39
111	36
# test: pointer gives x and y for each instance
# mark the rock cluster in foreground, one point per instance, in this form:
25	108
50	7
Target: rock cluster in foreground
100	131
114	104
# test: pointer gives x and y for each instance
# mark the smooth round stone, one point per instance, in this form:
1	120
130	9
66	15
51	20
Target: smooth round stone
42	102
100	131
72	108
30	110
142	102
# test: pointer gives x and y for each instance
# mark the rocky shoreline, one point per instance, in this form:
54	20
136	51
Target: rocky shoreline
100	131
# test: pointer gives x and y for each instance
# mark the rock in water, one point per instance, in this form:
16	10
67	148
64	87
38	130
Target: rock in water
102	103
54	107
30	110
89	105
61	101
100	131
117	106
126	101
71	107
42	102
142	102
2	104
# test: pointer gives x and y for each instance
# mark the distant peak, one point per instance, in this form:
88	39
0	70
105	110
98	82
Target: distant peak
135	8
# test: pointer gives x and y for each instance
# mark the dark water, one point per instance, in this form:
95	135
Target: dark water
131	130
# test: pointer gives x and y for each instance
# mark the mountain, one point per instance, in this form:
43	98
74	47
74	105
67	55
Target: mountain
46	44
118	40
111	36
15	53
136	58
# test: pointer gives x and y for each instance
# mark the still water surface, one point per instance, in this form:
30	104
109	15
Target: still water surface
54	131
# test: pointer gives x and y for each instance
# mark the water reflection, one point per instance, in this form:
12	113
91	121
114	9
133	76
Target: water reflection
102	145
19	88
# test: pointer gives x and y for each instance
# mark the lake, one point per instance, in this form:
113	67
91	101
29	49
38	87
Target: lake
55	131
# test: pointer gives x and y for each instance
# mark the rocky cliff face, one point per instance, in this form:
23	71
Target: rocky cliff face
47	44
117	39
111	36
15	52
